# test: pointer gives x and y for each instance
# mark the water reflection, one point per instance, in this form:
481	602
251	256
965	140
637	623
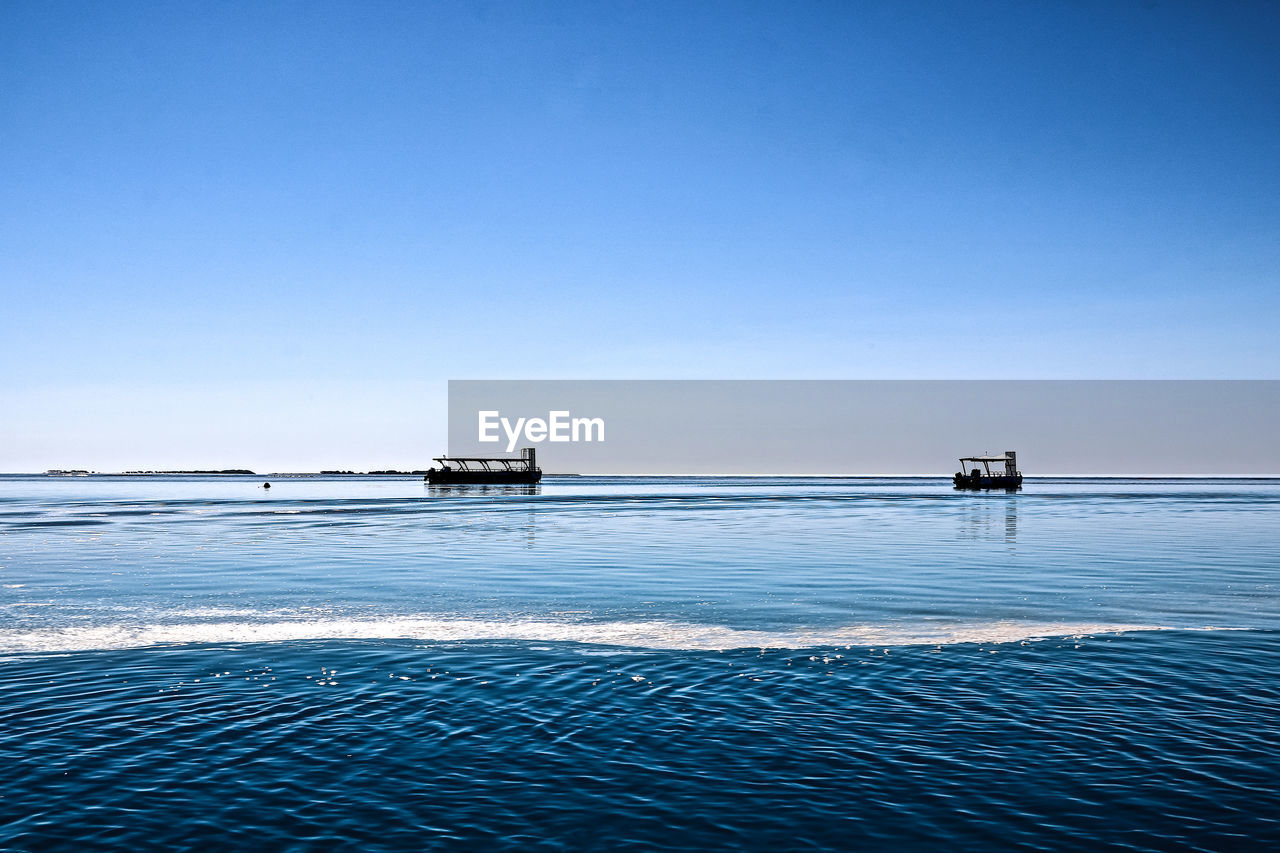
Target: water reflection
483	490
981	520
491	490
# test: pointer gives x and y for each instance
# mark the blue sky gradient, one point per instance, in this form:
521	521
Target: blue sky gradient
266	234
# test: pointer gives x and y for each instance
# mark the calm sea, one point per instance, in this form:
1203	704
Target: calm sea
638	663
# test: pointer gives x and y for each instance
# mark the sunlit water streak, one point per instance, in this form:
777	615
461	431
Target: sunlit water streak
604	662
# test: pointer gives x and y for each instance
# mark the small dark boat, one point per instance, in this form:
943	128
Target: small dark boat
984	477
485	470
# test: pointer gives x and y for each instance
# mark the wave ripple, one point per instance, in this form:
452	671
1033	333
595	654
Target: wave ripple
1150	741
640	634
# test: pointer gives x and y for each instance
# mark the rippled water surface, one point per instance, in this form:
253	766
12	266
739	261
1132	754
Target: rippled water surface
598	663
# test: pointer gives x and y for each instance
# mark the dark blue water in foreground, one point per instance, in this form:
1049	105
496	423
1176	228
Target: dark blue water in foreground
653	663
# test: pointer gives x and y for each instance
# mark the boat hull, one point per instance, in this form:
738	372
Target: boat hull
968	481
437	477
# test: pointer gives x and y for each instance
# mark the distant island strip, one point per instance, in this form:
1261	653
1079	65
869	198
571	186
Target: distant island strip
243	472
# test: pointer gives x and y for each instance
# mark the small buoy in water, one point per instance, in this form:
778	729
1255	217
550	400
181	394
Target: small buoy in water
266	485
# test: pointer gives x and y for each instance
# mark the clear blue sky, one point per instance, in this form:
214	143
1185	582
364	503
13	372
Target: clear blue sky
265	234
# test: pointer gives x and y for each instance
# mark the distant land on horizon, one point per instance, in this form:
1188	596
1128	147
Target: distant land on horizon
240	472
244	472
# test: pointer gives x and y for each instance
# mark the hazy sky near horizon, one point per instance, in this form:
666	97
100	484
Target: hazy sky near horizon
265	234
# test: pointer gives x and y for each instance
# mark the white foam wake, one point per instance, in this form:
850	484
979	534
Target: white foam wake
638	634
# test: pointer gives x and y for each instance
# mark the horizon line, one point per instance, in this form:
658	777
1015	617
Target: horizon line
77	473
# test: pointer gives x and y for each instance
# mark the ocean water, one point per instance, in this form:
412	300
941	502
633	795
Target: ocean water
638	663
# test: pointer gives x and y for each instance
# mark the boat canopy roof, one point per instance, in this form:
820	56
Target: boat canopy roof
508	463
1001	458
